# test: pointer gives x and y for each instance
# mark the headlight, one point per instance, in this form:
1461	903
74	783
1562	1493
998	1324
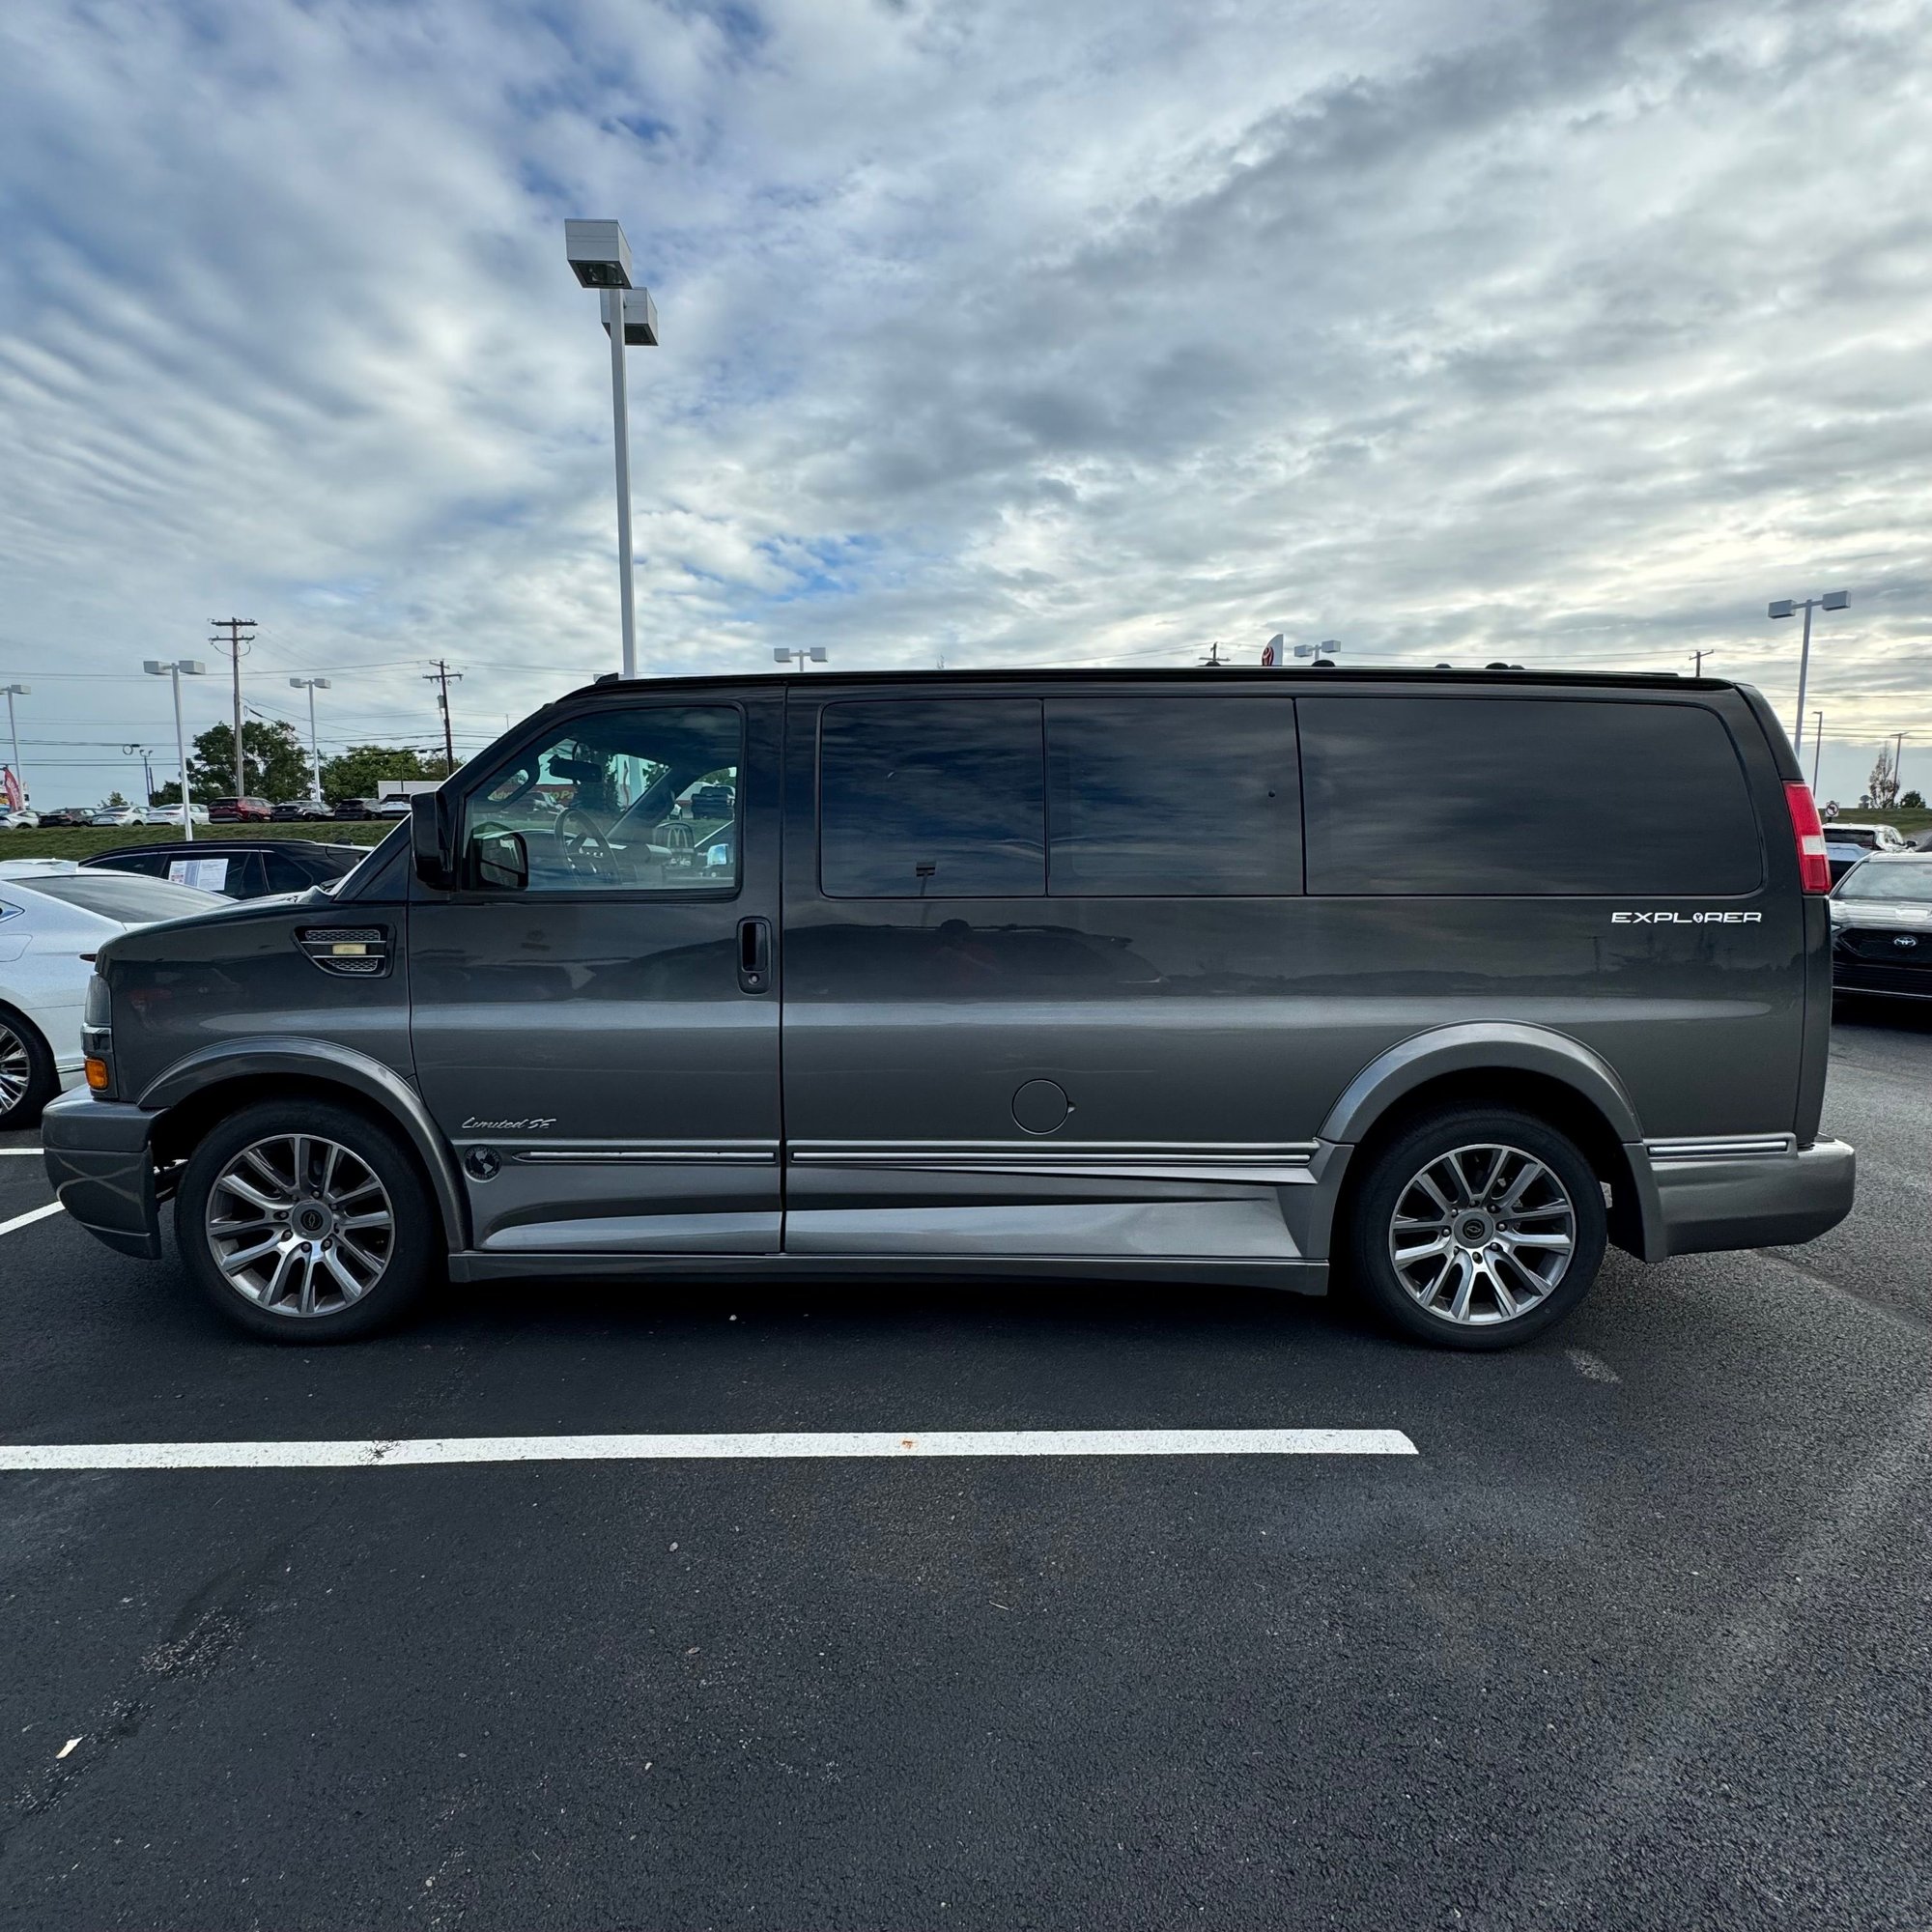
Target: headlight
100	1003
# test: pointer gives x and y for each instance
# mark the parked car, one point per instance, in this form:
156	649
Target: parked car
291	809
228	811
1876	837
68	814
1882	926
241	869
356	807
171	814
23	820
55	918
1184	978
395	806
116	814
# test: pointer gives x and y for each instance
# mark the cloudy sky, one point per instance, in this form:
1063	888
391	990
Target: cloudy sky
1004	333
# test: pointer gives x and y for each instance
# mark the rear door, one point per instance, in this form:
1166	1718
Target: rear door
1039	978
602	1045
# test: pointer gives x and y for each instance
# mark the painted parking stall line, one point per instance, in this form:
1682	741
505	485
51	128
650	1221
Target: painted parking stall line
35	1214
422	1451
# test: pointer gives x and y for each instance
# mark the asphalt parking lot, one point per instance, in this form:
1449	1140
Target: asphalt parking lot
1639	1637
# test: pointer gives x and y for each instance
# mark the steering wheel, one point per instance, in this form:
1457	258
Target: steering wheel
585	848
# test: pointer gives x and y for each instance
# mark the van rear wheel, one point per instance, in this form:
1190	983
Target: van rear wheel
1477	1228
305	1222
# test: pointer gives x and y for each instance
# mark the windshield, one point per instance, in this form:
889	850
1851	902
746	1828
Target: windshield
1906	881
126	896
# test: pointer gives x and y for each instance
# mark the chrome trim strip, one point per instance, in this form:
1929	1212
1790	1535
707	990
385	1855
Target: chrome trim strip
633	1157
1722	1146
1047	1150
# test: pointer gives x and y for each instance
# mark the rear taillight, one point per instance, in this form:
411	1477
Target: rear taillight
1814	868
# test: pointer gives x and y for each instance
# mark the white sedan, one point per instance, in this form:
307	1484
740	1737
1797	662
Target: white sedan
171	814
55	918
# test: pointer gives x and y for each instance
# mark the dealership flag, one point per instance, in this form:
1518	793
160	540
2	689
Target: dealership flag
10	787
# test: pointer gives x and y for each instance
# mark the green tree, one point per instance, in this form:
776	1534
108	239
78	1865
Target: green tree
363	770
1913	800
112	801
277	762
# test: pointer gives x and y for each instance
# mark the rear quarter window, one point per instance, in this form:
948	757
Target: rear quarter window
1524	797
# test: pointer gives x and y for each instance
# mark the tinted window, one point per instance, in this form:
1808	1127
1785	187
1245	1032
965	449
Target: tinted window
1172	795
941	800
623	801
152	864
1532	796
287	874
123	895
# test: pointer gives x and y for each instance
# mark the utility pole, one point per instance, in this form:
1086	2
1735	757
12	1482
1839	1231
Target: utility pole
240	635
439	677
1699	671
1214	660
1897	758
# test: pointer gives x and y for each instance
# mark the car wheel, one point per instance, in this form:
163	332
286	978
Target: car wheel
28	1076
306	1222
1476	1229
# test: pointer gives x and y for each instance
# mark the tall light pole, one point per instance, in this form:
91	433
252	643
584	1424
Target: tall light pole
804	658
1898	739
1817	748
15	691
601	259
180	667
1321	652
1833	600
147	770
312	685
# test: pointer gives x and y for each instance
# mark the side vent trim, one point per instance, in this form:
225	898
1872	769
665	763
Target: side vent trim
355	952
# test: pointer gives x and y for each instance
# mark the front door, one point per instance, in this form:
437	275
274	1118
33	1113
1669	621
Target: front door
600	1045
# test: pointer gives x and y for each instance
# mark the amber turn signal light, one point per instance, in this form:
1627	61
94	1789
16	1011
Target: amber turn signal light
97	1076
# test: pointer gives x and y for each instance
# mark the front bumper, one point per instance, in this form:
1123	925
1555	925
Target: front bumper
1752	1201
103	1168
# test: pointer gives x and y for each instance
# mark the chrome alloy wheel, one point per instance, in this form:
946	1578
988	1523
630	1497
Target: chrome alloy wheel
1482	1234
300	1225
16	1070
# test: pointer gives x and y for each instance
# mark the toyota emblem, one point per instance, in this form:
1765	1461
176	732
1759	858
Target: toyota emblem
1905	938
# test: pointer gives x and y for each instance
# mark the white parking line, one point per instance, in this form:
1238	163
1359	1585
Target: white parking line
33	1214
380	1455
22	1152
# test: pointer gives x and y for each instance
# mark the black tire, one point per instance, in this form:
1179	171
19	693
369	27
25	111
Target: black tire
373	1172
1495	1251
22	1047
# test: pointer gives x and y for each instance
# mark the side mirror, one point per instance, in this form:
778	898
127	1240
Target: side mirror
432	839
500	862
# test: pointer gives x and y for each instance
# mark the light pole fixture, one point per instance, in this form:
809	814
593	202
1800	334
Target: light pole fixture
801	657
146	757
1833	600
179	668
1322	653
600	257
312	685
15	691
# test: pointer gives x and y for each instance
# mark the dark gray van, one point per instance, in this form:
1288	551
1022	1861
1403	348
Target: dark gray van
1449	977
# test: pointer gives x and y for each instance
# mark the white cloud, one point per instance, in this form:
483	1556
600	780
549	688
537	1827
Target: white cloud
1567	332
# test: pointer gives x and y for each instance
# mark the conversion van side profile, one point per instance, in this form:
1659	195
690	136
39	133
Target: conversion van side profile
1438	981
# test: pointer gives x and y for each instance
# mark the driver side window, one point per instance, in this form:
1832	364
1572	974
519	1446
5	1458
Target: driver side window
637	801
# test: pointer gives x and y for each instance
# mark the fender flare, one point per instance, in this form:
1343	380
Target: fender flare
342	1066
1482	1045
1472	1047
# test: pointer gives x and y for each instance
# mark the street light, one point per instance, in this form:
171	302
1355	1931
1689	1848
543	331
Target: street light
1817	748
1320	653
312	685
180	667
801	657
15	691
601	259
1833	600
1898	739
142	752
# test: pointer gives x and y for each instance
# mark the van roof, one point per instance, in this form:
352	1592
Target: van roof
1298	677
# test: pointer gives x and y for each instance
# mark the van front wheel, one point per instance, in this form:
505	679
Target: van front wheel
305	1222
1477	1228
